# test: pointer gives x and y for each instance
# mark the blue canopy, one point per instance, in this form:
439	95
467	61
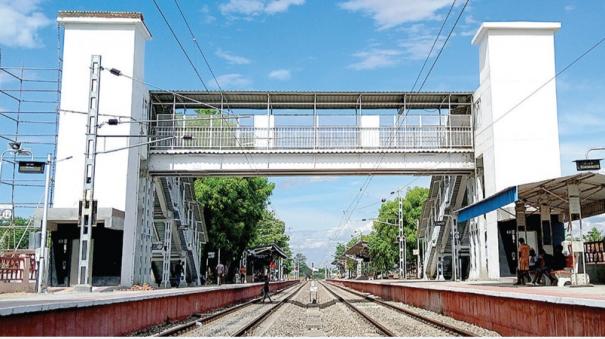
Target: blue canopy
489	204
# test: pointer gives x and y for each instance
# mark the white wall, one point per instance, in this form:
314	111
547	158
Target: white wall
116	41
121	44
519	143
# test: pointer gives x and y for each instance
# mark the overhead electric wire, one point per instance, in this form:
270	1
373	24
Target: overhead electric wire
192	65
369	179
179	43
567	67
198	45
443	46
433	46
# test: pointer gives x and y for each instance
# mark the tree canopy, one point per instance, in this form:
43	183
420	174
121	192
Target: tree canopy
272	230
233	208
382	240
594	235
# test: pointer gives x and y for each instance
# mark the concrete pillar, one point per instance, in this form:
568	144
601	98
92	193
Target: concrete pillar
516	58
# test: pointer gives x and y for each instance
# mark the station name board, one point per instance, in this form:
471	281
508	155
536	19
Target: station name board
31	166
588	164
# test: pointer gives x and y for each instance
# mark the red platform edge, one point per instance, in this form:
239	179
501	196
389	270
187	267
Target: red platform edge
122	318
507	316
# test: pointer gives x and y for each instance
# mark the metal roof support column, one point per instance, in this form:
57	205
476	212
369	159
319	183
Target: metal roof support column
575	209
315	121
268	119
173	119
449	118
221	133
520	223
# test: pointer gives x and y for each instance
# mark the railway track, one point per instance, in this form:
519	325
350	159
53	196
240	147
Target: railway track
190	327
451	330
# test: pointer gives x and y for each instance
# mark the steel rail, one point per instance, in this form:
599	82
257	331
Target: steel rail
254	323
185	327
371	320
429	321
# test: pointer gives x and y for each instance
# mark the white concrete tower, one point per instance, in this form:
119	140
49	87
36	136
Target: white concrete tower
119	38
516	130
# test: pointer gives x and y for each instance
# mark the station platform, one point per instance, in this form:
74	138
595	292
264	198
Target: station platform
115	312
501	306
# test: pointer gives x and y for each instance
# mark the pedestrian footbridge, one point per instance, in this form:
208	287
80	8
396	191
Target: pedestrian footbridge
310	133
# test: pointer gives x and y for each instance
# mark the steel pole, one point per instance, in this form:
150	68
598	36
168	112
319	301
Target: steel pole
417	249
42	263
401	240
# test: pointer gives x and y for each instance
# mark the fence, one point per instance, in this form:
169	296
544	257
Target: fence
17	266
312	138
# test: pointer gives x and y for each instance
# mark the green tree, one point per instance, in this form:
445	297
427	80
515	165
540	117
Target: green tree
272	230
382	241
301	259
15	237
233	207
593	235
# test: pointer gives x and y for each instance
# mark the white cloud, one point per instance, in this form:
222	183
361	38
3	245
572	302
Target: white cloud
391	13
376	58
417	47
280	74
257	7
207	17
278	6
233	80
232	58
20	22
569	8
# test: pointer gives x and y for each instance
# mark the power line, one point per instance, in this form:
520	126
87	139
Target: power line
197	45
180	45
369	179
443	46
433	46
118	73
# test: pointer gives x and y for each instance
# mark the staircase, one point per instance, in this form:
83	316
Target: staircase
176	208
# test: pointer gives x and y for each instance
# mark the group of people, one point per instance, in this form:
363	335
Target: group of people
540	264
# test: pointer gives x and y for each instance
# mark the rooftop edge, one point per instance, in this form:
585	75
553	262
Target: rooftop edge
516	25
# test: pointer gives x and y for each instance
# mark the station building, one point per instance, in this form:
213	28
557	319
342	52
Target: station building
147	218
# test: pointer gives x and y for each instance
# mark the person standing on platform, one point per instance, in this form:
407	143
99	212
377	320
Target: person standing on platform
220	273
523	270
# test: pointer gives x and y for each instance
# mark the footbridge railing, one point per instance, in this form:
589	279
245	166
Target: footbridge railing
406	137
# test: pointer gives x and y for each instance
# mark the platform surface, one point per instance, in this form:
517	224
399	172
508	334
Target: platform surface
18	303
588	296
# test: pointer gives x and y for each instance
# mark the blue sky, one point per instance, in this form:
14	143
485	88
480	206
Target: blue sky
335	45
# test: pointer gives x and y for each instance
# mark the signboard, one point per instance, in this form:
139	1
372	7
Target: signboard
157	246
588	164
210	255
33	167
415	251
6	211
440	223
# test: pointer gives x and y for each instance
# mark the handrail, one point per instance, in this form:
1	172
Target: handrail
322	138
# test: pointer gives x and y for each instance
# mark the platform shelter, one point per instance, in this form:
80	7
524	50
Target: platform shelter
265	260
548	214
359	252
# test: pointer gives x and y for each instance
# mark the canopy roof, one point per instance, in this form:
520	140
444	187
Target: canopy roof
359	250
460	102
270	250
551	192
